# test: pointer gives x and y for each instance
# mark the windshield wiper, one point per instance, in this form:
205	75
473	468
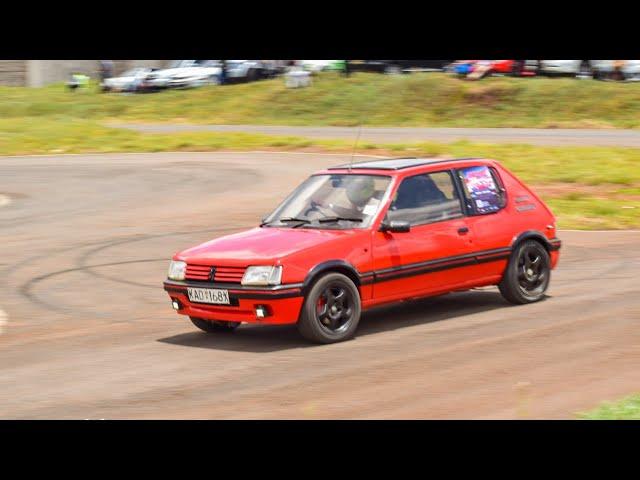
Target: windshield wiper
337	219
285	220
302	221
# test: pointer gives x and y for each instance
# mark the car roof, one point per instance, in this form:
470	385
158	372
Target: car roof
398	163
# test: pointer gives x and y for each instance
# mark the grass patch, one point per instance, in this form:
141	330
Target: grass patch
419	99
54	136
625	409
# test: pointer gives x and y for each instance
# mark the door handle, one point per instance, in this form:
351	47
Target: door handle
463	230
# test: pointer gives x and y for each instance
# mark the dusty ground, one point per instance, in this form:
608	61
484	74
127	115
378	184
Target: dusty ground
89	332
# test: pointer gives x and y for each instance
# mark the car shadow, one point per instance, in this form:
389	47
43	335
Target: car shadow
269	338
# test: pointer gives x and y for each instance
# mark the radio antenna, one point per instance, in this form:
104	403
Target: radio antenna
355	145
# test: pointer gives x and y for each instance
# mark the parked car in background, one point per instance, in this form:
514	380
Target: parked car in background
599	69
184	73
204	72
515	68
577	68
626	69
251	70
129	81
476	69
397	66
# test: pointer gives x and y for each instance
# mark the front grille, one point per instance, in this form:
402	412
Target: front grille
229	274
203	273
198	272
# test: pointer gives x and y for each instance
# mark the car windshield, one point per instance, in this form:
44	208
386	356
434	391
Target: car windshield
336	201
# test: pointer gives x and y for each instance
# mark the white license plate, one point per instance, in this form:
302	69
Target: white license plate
208	295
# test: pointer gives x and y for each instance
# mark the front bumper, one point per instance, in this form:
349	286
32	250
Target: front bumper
283	303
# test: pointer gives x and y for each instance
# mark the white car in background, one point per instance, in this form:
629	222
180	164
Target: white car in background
184	74
566	67
129	81
207	72
630	68
589	68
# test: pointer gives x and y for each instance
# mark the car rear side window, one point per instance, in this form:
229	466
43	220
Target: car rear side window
426	198
483	190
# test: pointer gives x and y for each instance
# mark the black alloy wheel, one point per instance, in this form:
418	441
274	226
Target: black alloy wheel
331	311
527	276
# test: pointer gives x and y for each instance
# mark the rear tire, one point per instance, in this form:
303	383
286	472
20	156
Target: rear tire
584	71
214	326
527	276
253	75
392	69
331	311
517	68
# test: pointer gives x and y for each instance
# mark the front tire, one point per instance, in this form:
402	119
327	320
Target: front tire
214	326
331	311
527	276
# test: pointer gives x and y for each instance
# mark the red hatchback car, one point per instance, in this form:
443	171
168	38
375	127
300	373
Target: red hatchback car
356	236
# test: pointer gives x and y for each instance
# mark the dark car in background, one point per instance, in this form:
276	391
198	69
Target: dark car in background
251	70
397	66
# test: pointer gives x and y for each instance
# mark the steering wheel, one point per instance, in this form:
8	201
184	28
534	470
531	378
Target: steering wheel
314	207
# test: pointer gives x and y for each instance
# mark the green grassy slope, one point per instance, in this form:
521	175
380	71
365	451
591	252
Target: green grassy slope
420	99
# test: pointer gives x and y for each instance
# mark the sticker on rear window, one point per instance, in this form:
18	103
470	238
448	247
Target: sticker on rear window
482	189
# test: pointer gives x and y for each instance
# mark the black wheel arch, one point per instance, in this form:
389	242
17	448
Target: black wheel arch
532	235
337	266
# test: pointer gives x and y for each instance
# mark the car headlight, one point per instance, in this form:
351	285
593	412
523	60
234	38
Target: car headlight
177	270
262	276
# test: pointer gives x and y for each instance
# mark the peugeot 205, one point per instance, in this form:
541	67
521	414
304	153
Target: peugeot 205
357	236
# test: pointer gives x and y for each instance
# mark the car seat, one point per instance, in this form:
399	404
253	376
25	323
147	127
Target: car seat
409	194
430	191
418	191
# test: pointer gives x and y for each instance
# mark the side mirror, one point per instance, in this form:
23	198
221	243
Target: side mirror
395	226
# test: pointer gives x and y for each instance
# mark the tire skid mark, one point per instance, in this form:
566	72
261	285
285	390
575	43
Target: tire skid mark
89	270
26	289
131	238
4	319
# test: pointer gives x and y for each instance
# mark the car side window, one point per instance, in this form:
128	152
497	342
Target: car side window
483	190
425	198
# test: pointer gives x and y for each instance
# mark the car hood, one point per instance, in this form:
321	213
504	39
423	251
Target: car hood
258	245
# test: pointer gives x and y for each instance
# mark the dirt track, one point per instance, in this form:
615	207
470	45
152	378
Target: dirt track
90	333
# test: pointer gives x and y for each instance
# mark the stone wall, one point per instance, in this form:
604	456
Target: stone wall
13	72
44	72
